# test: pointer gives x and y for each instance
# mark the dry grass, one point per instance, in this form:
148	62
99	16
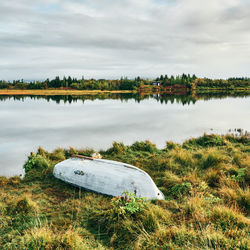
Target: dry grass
58	92
205	182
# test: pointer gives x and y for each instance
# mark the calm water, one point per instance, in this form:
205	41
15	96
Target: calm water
27	123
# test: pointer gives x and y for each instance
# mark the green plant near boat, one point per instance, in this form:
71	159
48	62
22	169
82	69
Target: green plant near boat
128	203
35	161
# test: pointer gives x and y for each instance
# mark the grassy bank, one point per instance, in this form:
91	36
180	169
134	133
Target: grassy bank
142	91
205	182
47	92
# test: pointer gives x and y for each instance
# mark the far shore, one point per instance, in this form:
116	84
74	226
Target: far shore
75	92
59	92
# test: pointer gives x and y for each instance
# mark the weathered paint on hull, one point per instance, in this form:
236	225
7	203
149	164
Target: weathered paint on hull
107	177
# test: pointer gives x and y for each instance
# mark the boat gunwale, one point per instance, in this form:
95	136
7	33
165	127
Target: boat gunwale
117	163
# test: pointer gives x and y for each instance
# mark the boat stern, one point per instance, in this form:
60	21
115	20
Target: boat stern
160	195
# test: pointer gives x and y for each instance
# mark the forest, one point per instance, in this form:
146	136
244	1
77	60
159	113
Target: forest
180	81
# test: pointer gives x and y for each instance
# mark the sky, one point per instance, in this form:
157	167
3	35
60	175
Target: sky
114	38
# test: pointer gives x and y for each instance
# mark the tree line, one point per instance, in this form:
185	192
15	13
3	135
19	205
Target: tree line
124	83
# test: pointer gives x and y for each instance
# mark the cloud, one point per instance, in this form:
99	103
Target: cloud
113	38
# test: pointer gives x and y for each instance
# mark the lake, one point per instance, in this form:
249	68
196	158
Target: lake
95	122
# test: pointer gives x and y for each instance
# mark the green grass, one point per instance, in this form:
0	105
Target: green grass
205	182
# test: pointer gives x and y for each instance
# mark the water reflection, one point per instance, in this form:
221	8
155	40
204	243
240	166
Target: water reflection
162	98
94	121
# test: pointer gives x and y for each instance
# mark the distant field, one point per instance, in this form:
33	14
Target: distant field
50	92
57	92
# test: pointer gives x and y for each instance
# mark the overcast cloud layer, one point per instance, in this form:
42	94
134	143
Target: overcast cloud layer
113	38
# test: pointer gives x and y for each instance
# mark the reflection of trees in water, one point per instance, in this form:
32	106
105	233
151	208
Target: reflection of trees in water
221	95
162	98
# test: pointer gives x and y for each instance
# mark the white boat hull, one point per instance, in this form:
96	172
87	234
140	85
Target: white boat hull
107	177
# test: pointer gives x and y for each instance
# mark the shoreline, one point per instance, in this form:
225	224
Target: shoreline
73	92
48	92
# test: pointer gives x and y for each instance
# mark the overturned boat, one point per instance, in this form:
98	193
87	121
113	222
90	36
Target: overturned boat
106	177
